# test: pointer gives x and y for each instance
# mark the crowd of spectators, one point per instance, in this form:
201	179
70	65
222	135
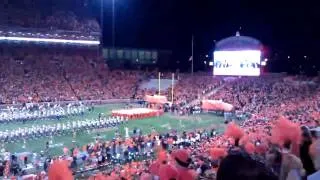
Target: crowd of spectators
31	14
269	144
247	152
30	74
270	97
191	87
45	74
65	20
205	154
42	74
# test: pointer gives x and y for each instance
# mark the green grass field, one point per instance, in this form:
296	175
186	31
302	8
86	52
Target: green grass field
163	123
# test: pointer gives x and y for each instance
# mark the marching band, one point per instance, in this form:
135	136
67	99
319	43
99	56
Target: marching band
32	111
49	111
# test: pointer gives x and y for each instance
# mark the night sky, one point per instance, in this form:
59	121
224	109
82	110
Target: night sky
285	28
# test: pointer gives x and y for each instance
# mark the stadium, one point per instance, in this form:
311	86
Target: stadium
70	108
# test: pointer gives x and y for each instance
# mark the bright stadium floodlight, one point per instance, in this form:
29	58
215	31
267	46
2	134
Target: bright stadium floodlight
87	42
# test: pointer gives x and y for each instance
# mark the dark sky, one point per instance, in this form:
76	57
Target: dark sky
285	28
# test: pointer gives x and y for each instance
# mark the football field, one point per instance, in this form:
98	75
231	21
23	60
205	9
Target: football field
164	123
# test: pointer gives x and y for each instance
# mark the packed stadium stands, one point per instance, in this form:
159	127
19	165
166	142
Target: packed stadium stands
61	74
277	139
39	74
28	19
62	15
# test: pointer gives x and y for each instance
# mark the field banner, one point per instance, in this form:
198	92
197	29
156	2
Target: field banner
156	99
216	105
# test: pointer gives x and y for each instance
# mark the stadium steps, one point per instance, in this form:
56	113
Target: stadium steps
67	80
136	88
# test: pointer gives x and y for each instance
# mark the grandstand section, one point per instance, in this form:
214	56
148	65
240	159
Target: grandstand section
29	23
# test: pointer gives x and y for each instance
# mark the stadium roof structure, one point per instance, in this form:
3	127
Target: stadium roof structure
238	43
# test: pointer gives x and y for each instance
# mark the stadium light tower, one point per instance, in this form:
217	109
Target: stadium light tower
101	21
113	21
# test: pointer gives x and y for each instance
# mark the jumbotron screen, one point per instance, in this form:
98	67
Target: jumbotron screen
237	63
